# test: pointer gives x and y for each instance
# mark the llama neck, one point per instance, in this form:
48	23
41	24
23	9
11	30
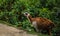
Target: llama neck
30	18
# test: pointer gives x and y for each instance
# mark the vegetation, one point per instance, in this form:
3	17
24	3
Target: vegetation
11	11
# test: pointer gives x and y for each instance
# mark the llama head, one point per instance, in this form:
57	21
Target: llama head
26	14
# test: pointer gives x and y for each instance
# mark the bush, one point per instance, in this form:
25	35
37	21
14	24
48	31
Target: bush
12	11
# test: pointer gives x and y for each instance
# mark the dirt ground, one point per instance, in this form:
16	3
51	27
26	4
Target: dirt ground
11	31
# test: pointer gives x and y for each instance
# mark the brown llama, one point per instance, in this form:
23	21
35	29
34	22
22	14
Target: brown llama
40	23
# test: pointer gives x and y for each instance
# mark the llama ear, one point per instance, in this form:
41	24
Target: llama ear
26	12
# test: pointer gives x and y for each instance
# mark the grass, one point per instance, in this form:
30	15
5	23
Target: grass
35	33
4	22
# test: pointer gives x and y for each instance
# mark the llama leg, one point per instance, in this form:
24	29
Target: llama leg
37	29
49	32
35	26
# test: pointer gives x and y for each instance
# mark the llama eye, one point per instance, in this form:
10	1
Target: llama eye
26	14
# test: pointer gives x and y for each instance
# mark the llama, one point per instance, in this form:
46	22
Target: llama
40	23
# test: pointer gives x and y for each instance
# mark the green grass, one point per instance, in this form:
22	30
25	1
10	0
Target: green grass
35	33
4	22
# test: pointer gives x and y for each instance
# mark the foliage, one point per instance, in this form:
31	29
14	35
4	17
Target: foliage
12	11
